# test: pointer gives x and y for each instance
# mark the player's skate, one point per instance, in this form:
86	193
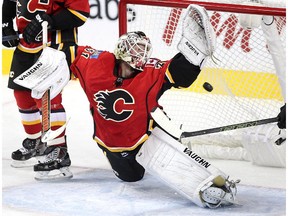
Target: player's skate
55	164
26	156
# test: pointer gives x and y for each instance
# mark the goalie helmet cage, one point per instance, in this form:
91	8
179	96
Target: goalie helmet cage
246	78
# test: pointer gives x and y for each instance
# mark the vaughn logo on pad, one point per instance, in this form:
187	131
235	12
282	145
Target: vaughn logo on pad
30	71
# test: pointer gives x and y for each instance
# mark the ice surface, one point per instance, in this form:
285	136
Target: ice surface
94	190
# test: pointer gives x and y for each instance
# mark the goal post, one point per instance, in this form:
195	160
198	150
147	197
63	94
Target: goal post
248	77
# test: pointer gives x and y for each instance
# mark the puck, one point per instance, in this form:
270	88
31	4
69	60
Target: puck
207	86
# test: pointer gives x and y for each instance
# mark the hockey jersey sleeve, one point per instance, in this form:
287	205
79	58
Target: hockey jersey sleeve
74	13
78	67
181	73
89	63
8	11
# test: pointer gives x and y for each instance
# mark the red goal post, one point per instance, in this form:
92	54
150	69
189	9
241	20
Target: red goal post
248	80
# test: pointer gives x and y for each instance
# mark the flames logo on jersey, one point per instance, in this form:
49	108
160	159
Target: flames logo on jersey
107	102
27	10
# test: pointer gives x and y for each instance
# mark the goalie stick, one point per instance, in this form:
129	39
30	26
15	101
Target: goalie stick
37	77
47	133
46	103
163	121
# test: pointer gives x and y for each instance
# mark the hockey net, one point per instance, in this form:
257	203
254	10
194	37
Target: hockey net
246	80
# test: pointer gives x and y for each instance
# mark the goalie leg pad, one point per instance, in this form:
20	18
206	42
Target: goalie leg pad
181	169
198	37
260	143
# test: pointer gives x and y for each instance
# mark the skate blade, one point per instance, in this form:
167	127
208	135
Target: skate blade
62	173
21	164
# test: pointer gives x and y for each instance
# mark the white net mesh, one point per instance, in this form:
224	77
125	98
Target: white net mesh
244	80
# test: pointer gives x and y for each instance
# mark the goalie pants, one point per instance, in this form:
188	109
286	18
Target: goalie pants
124	164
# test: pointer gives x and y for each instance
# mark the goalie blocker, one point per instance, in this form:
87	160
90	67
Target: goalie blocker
50	71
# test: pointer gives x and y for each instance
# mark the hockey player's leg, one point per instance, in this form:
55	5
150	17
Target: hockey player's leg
124	164
185	171
32	145
56	156
56	162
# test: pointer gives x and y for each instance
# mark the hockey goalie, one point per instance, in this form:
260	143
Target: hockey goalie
124	87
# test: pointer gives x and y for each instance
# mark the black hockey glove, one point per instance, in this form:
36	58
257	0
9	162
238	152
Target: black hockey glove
33	31
282	117
7	32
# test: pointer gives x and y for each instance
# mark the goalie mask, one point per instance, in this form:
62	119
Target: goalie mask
134	48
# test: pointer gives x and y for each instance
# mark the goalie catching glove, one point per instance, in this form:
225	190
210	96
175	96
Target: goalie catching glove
50	71
198	37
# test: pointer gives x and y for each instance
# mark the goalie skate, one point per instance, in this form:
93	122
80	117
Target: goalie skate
32	150
55	164
215	196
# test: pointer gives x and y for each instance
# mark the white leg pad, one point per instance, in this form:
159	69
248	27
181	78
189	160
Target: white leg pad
177	166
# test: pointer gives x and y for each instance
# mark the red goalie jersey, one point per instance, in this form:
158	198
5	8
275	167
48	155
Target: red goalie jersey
121	111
